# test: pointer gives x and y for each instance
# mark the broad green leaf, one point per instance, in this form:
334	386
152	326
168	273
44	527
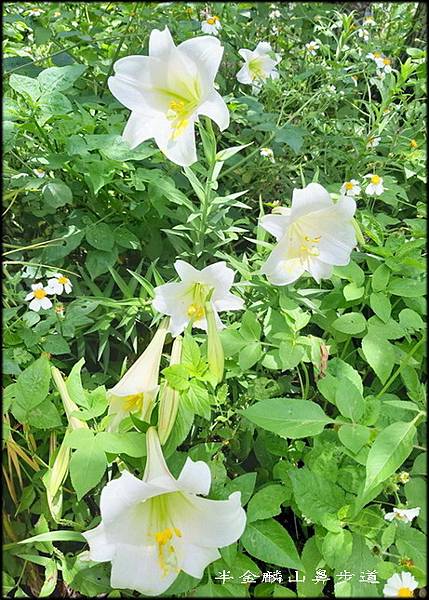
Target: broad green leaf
351	323
57	193
250	328
389	450
87	466
268	541
59	78
349	400
25	85
314	495
243	484
100	236
337	547
32	387
380	355
177	377
131	443
267	502
250	355
406	287
380	304
311	559
380	278
412	543
74	385
354	436
288	418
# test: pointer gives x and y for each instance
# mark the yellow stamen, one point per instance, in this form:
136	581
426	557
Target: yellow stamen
375	179
256	69
178	112
348	185
39	294
405	592
63	280
162	539
387	61
196	312
376	54
134	402
315	240
212	20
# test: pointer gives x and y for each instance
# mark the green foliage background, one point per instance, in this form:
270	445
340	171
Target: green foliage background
324	400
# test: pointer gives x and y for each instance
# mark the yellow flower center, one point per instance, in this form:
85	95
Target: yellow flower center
255	68
212	20
386	61
63	280
405	592
375	179
134	402
413	144
178	112
165	548
376	54
348	185
196	311
39	294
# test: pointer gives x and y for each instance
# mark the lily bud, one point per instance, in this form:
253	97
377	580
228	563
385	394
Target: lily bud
215	354
169	400
137	390
54	478
69	406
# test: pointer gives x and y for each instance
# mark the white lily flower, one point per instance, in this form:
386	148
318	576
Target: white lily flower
167	91
39	297
312	47
400	585
375	187
137	390
313	235
402	514
259	66
267	153
211	25
350	188
184	301
59	283
151	530
373	141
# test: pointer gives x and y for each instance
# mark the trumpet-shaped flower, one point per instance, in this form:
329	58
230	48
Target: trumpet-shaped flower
259	65
313	235
402	514
400	585
375	186
151	530
184	302
211	25
137	390
59	283
350	188
167	91
39	297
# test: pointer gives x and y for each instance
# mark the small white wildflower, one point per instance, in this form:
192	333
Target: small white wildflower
373	141
35	12
375	186
400	585
402	514
363	33
59	283
39	297
275	14
350	188
369	21
211	25
39	172
312	47
267	153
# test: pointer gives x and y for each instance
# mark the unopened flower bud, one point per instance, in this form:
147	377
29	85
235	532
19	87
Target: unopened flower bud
169	398
215	354
69	406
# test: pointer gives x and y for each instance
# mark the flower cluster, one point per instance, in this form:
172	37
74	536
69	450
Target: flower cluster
39	295
352	187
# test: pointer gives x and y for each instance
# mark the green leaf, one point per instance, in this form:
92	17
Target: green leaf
314	495
407	288
56	344
57	193
98	261
197	399
44	416
350	323
177	377
290	135
32	387
250	355
311	559
267	502
74	385
87	466
354	436
337	547
250	329
290	354
53	104
132	443
412	543
243	484
380	355
268	541
349	400
100	236
380	278
25	85
353	292
288	418
389	450
59	78
380	304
